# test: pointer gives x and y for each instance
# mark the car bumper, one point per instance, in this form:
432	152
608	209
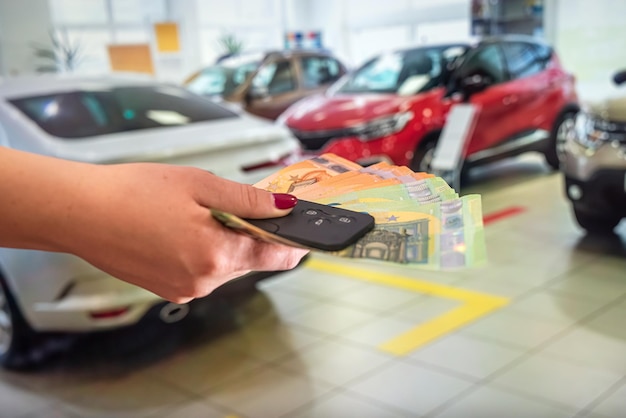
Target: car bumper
603	192
595	181
582	163
397	149
107	303
101	303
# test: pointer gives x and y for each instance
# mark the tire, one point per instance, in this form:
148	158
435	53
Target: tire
563	128
596	224
423	156
422	160
16	336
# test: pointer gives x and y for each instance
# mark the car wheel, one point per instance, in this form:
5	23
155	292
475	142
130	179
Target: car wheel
596	223
15	334
422	162
423	157
564	128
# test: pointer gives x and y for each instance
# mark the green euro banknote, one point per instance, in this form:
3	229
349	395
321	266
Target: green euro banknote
424	191
441	235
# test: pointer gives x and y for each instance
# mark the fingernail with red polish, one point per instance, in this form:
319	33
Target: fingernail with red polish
284	200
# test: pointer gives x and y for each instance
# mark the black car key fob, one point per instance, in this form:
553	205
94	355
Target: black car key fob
318	226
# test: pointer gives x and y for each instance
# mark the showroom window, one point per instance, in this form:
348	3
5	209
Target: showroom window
138	11
494	17
79	12
92	26
257	24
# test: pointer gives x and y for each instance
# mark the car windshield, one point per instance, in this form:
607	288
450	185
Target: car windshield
403	72
81	114
222	79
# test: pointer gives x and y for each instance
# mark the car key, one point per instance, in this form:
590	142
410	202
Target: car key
318	226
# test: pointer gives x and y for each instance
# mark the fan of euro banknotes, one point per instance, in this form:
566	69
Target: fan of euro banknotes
419	219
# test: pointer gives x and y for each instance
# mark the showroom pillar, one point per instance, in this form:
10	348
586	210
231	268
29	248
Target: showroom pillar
22	24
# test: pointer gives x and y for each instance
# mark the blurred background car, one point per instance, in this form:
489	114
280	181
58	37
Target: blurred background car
394	107
113	120
265	84
594	162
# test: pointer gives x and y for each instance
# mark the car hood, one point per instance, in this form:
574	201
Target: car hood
168	143
341	111
613	108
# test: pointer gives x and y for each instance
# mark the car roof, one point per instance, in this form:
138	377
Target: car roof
472	43
512	38
301	51
271	53
465	44
21	86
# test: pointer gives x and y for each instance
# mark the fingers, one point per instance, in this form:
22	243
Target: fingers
252	255
275	257
243	200
245	253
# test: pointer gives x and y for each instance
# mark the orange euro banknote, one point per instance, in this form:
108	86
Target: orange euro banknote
305	173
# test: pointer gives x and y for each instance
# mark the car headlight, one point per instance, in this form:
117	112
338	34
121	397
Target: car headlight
382	127
593	131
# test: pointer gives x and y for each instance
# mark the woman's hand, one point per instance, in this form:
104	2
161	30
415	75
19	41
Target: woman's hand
155	230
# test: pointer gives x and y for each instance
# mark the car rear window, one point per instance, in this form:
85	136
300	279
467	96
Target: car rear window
525	59
221	80
81	114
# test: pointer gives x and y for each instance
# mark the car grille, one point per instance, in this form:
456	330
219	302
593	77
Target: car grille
315	140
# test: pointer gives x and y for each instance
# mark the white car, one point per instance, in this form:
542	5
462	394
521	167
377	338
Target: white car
113	120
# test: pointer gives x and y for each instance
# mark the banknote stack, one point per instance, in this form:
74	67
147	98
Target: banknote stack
420	220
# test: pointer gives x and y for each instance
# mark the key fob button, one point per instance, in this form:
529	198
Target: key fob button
319	221
345	219
311	212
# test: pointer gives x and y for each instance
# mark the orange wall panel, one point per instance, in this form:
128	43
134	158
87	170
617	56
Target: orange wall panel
133	58
167	37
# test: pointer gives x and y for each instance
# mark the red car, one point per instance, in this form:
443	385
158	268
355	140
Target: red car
394	107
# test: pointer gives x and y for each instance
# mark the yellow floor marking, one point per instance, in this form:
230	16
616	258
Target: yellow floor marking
475	305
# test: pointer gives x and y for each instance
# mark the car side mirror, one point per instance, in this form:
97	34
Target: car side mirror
256	93
474	83
619	77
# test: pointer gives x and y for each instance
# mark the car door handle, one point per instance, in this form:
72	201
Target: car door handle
509	100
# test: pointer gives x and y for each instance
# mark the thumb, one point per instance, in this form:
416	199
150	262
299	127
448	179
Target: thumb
247	201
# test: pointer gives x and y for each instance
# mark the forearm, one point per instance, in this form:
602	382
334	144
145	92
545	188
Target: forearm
147	224
40	198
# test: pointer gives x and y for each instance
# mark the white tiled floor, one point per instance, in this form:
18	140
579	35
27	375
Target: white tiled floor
307	343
